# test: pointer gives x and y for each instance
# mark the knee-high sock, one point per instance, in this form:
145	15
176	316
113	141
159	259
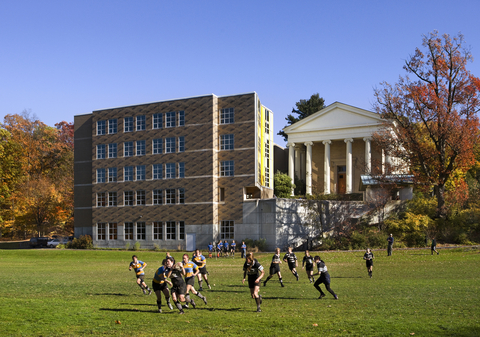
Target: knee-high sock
200	295
330	289
179	305
317	286
159	304
258	301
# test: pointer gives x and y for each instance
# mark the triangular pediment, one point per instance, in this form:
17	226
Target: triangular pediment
335	116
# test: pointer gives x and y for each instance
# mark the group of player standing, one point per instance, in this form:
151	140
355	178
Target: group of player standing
223	248
255	272
182	280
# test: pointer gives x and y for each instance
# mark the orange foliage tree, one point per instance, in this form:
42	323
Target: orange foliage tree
430	120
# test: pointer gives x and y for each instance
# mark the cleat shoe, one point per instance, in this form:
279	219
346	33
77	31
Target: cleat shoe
205	300
209	287
296	277
200	289
193	304
282	284
264	283
170	306
321	296
159	311
336	297
181	312
150	291
259	310
311	281
144	291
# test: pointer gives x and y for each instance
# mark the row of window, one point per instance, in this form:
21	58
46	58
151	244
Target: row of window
166	230
138	148
169	196
171	171
169	230
138	173
159	121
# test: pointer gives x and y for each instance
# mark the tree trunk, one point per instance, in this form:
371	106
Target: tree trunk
441	208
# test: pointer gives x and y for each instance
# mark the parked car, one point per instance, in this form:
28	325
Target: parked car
39	242
55	242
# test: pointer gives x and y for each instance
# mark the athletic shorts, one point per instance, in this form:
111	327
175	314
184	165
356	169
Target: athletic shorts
292	266
190	281
179	288
369	263
251	281
274	268
203	270
141	277
159	286
324	278
309	267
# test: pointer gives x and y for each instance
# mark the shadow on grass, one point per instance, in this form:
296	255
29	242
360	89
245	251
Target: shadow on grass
171	311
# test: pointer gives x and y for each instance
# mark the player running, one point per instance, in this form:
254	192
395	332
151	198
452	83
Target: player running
139	266
275	268
308	263
368	257
255	272
191	270
159	285
323	278
175	272
201	262
291	259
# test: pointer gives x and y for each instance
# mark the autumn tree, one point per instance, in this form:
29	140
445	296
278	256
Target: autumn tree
430	119
304	108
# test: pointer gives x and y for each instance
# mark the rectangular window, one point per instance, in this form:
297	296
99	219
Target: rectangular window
157	197
181	118
128	173
226	142
140	197
140	172
141	231
157	171
181	195
129	199
101	231
140	147
112	231
227	116
112	126
158	121
181	230
157	146
170	119
112	199
128	149
170	171
157	230
227	168
227	230
101	151
221	194
140	123
112	150
170	145
101	199
128	230
101	175
181	144
128	124
170	230
112	174
101	128
170	196
181	170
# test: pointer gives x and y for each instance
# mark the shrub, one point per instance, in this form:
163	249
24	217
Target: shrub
84	242
136	246
282	185
127	246
260	244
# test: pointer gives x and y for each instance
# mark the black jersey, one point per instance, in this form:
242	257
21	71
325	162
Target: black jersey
176	275
322	268
252	269
368	256
308	260
290	257
275	259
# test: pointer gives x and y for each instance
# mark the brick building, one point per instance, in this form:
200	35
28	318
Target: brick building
171	174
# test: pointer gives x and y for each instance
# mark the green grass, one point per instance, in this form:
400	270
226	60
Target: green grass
73	292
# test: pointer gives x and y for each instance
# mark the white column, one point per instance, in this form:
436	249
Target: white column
291	162
326	167
308	168
349	165
368	155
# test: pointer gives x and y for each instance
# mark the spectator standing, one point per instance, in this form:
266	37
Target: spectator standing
390	244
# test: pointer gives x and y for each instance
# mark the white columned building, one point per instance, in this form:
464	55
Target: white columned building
346	133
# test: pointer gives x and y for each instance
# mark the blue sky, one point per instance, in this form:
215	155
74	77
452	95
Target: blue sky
64	58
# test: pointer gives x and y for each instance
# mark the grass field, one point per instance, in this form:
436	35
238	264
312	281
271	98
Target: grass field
67	293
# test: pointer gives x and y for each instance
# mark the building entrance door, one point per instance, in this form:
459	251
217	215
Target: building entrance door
341	179
190	244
